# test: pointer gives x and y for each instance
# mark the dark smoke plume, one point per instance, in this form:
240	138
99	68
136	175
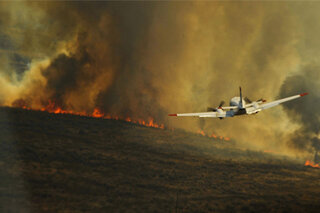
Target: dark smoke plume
304	112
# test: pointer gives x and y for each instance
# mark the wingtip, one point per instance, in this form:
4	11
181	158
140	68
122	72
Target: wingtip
172	114
303	94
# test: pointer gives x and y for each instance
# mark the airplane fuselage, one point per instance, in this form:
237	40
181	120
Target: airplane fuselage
240	108
235	101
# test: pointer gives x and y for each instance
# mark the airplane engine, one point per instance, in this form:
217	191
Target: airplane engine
220	111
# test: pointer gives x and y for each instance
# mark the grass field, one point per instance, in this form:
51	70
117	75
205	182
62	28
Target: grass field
68	163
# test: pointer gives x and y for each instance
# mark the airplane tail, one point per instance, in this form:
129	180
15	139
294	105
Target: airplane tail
240	104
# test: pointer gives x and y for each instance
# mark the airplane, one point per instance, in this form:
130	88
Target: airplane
239	106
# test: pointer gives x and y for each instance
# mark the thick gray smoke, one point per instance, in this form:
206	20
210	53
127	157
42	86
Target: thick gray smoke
304	112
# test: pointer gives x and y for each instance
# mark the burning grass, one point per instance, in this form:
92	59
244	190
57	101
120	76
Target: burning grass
311	164
52	107
212	135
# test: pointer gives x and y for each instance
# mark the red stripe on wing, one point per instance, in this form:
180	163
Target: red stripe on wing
172	114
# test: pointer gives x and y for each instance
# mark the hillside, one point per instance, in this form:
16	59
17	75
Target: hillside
68	163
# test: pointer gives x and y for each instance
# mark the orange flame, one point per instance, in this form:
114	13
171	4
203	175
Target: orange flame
201	132
212	136
312	164
51	107
97	114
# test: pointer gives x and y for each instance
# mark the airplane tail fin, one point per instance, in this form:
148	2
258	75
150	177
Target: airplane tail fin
241	104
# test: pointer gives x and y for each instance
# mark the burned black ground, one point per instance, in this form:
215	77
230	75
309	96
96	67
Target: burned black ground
68	163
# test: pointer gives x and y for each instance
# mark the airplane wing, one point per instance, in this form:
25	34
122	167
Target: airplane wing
280	101
221	114
197	114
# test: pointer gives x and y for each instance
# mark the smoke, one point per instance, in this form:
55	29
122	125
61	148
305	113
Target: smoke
305	112
148	59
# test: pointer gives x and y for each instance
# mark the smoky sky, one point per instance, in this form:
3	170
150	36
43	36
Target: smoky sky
147	59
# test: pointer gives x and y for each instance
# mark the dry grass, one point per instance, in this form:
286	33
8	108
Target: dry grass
65	163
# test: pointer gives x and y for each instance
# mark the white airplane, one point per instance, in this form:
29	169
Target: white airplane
239	106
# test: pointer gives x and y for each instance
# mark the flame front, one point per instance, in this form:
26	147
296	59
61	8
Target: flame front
312	164
201	132
51	107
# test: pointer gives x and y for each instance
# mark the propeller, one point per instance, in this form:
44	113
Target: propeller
261	99
221	104
210	109
247	100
